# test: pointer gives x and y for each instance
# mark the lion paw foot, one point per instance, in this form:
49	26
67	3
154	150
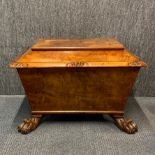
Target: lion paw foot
126	125
29	125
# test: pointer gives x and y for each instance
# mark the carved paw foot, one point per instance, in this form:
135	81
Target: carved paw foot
29	125
126	125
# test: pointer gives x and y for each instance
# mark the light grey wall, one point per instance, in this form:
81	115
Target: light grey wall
22	22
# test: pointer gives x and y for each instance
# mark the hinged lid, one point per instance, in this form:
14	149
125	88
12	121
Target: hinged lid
77	53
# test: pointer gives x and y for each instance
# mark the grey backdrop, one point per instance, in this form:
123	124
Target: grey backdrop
22	22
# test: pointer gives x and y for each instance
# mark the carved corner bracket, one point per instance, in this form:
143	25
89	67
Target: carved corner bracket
20	65
135	63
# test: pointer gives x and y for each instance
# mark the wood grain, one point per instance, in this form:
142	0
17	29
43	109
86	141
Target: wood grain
22	23
78	90
102	52
78	79
77	44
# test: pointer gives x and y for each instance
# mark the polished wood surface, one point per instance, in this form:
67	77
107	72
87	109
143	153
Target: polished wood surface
83	89
77	44
88	58
78	76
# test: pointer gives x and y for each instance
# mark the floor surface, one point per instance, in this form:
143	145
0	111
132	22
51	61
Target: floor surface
76	134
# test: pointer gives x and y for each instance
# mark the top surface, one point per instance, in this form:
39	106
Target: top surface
77	53
66	44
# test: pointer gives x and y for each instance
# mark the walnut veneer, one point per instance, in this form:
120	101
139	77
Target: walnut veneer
78	76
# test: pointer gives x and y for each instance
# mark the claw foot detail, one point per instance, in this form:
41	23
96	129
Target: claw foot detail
30	124
126	125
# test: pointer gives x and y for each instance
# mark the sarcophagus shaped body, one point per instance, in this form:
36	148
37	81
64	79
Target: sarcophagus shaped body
78	76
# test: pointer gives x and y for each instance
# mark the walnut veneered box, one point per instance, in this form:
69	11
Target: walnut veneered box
78	76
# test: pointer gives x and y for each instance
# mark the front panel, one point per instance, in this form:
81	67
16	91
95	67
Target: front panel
94	90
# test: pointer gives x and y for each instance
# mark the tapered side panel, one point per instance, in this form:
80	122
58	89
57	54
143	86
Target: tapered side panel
93	90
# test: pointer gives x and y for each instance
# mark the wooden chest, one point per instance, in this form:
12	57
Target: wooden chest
78	76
